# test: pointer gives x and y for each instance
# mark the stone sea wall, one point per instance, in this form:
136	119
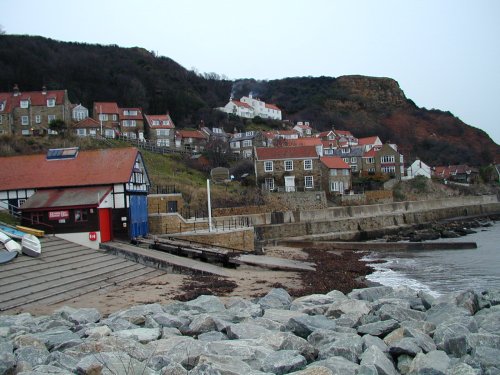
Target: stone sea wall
378	330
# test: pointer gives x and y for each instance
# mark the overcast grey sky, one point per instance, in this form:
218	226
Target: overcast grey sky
445	54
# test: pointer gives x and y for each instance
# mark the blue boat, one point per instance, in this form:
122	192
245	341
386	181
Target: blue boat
12	232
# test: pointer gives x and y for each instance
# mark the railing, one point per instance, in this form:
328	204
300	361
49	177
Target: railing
167	189
290	189
218	225
150	145
16	213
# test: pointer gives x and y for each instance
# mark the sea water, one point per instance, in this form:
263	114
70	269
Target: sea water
443	271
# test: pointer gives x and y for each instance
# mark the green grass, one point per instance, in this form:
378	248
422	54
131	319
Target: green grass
7	218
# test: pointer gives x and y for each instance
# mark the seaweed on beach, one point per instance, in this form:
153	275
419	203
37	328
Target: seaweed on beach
198	285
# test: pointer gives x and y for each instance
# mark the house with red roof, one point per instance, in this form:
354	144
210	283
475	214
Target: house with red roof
89	127
243	144
161	129
303	129
287	169
87	197
108	114
336	174
131	123
370	142
249	107
190	140
30	113
461	173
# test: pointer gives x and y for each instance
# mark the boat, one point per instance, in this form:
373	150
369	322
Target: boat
31	245
7	256
12	232
9	243
35	232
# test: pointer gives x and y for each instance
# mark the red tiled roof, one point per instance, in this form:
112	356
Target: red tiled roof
287	132
329	143
346	133
367	141
272	106
160	118
36	98
302	142
278	153
96	167
88	123
106	107
63	198
370	154
191	134
138	116
241	104
334	162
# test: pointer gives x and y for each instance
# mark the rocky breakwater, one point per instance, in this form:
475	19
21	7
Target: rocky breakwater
377	330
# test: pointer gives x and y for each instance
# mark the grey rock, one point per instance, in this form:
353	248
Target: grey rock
288	341
462	369
181	349
283	362
79	316
451	336
277	298
45	369
137	314
8	347
322	337
371	294
130	346
224	365
269	324
303	326
355	309
169	331
406	345
97	332
251	352
7	362
242	308
394	336
143	335
111	363
149	322
487	357
62	360
424	341
432	363
24	319
489	319
28	340
118	324
373	356
246	331
483	339
58	337
423	326
33	356
281	316
404	363
380	328
174	369
207	304
313	301
212	336
387	312
348	346
492	297
468	300
338	365
169	320
314	370
427	299
367	370
159	361
203	323
205	369
442	312
369	340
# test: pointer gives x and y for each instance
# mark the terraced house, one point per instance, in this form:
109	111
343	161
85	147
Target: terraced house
288	169
161	129
30	113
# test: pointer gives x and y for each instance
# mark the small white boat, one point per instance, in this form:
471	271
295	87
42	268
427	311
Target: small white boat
9	243
31	245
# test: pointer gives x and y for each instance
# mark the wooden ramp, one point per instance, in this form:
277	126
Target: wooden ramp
274	263
65	270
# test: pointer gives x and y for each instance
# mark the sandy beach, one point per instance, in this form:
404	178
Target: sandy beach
334	270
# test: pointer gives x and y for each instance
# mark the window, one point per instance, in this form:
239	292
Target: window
391	169
38	119
1	119
24	120
129	123
268	166
81	132
81	216
387	159
155	122
269	183
354	167
247	143
308	182
163	142
24	104
114	117
25	132
370	160
162	132
333	172
249	134
288	165
346	160
353	160
235	144
345	172
103	117
51	118
166	122
36	217
371	170
130	113
308	165
2	106
51	102
346	150
334	186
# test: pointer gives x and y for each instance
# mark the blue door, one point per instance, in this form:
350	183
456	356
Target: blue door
138	216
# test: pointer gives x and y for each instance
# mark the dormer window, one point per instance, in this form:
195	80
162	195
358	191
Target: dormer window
166	122
2	106
155	122
24	103
51	102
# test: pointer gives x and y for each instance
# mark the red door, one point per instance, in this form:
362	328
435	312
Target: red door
105	224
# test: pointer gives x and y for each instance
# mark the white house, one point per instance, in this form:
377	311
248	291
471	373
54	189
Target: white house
418	168
79	113
249	107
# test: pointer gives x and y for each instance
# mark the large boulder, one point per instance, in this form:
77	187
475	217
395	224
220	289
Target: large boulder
373	356
371	294
246	331
169	320
338	366
348	346
288	341
451	336
58	337
143	335
487	357
283	362
380	328
207	304
137	314
33	356
354	309
387	312
277	298
281	316
79	316
113	363
432	363
304	325
489	319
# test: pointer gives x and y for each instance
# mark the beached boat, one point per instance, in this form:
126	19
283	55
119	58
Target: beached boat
31	245
35	232
9	243
7	256
12	232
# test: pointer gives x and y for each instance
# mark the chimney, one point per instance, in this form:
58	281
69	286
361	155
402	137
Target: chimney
16	90
44	90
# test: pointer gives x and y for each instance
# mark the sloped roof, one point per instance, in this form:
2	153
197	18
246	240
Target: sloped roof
272	106
370	154
368	140
61	198
88	123
161	118
324	134
302	142
241	104
96	167
345	133
334	162
36	98
106	107
138	116
191	134
280	153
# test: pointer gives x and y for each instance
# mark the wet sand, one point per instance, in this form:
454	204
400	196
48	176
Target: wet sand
335	270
